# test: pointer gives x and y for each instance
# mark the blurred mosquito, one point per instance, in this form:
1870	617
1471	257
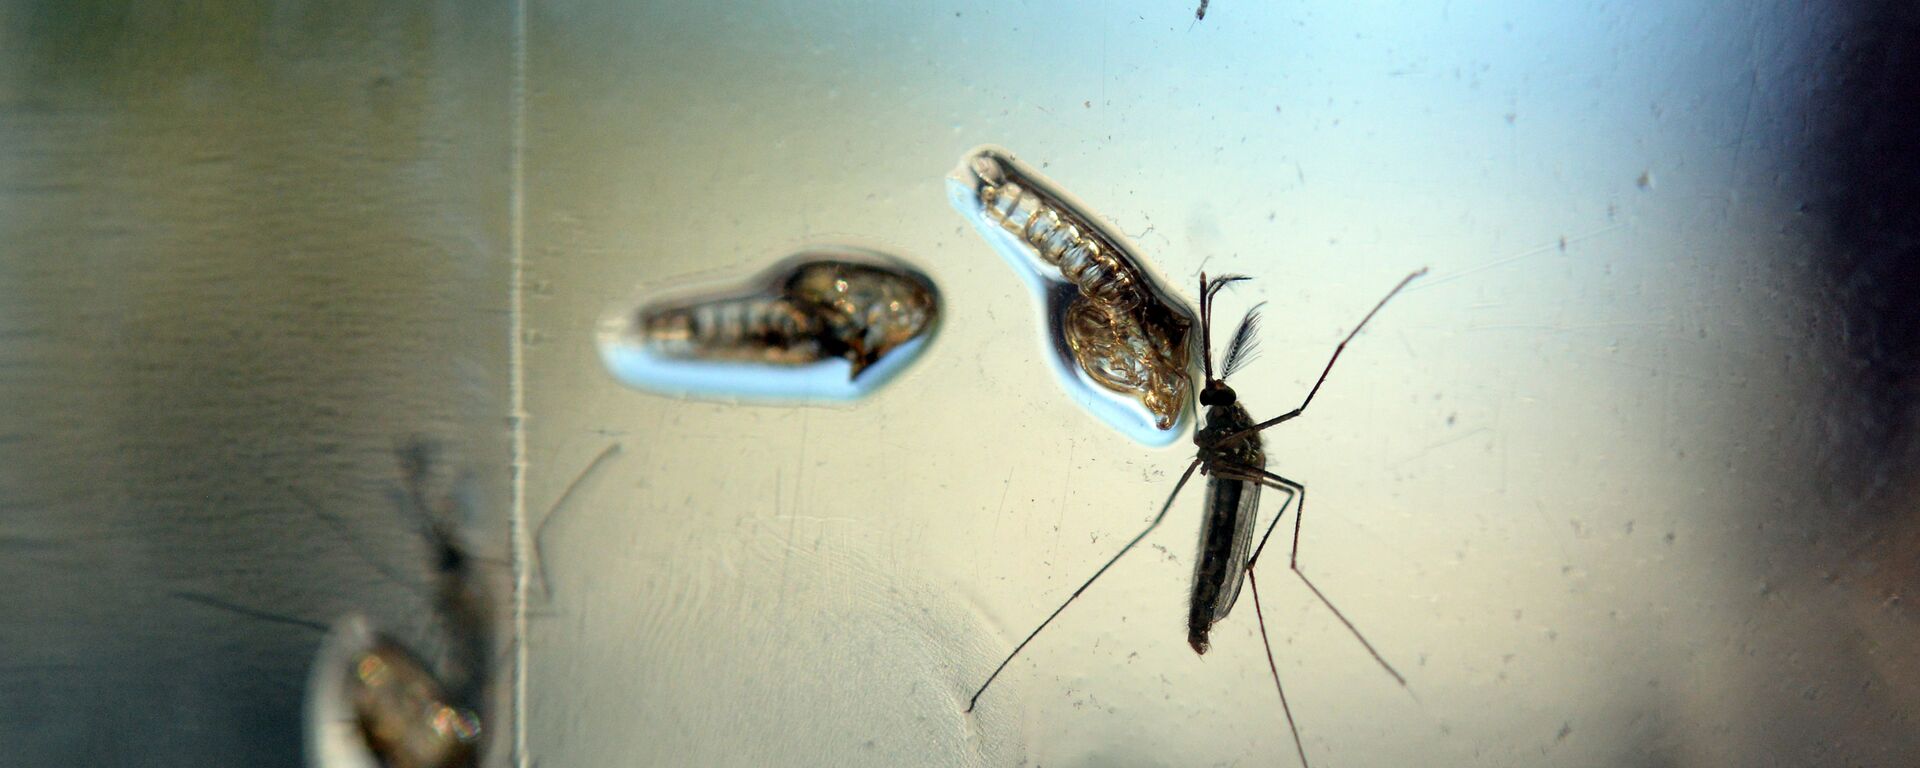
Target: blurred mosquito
1230	454
371	700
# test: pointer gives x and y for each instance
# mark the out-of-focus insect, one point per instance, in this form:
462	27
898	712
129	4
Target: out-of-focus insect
1200	14
830	322
1119	340
1231	455
372	702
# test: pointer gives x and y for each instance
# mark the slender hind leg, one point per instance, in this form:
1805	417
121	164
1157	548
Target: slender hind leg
1292	488
566	494
1260	615
1274	668
1184	476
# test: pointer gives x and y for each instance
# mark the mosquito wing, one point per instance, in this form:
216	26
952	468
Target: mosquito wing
1225	537
1249	503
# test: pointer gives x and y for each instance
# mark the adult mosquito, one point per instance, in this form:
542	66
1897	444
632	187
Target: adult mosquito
1230	454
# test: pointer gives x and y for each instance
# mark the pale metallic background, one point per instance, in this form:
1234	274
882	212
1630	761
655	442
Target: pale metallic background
1605	485
1568	483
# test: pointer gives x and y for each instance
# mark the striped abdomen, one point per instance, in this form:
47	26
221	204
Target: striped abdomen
753	328
803	310
1063	239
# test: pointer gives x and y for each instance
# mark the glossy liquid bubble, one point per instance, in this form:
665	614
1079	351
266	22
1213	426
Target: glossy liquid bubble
829	323
1118	338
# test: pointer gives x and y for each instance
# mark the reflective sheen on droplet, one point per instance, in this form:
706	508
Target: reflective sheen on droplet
1118	338
825	324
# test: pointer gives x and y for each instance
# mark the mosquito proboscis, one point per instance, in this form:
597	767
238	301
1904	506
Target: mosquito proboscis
1229	451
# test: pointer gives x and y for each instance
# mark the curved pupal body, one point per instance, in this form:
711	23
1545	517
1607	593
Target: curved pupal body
1119	340
371	704
824	324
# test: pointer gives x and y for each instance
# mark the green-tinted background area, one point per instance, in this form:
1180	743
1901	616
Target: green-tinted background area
249	248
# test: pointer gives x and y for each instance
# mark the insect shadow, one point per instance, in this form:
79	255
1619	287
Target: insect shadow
1230	453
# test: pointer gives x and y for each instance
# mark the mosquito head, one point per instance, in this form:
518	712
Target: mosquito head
452	560
1217	393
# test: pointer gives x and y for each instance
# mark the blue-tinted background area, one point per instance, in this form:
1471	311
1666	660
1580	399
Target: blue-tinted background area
1598	484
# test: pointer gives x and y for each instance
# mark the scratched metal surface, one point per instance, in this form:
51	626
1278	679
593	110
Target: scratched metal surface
248	248
1594	484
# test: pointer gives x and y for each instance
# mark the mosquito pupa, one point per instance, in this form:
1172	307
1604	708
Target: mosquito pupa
828	323
1119	341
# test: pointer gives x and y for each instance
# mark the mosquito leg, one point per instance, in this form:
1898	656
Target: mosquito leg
1184	476
1253	475
1272	667
355	542
539	531
1275	481
255	613
1230	439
